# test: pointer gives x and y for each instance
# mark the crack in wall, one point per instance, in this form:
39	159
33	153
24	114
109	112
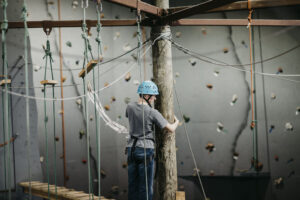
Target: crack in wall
247	110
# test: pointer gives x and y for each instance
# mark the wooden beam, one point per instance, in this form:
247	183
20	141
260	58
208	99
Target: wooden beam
243	5
41	190
5	81
49	82
89	67
197	9
234	22
181	22
142	6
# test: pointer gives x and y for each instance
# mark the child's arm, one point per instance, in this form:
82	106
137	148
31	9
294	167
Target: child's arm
172	127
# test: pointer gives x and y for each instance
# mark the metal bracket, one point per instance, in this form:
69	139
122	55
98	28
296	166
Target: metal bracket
47	27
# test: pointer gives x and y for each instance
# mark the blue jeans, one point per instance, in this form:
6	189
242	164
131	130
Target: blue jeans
136	173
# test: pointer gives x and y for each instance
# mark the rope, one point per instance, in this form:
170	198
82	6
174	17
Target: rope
84	5
254	121
98	124
189	143
48	57
4	27
143	110
24	16
46	120
223	64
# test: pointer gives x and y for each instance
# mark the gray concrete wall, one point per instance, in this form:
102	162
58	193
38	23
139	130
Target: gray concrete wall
204	107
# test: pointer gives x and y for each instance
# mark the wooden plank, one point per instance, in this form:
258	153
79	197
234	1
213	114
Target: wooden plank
41	190
180	195
5	81
89	67
49	82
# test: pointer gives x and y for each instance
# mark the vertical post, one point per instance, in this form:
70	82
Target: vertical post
166	181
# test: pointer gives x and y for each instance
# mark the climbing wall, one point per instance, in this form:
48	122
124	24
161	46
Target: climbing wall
215	100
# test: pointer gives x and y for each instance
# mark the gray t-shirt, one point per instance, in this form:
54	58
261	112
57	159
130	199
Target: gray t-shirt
134	113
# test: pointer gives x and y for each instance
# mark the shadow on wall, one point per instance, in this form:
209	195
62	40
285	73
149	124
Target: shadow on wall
230	187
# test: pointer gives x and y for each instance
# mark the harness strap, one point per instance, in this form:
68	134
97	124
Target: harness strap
135	139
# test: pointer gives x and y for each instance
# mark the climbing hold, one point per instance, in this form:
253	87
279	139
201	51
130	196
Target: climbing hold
81	134
60	112
117	17
115	190
273	96
134	34
107	107
192	61
50	2
182	163
298	110
128	77
78	102
278	182
177	74
75	4
211	172
105	47
106	84
117	35
196	171
244	43
127	47
37	68
124	165
95	180
119	117
276	157
210	147
178	34
83	161
103	173
203	30
279	70
290	161
220	127
235	155
291	174
63	79
271	128
289	126
216	73
234	99
102	15
134	56
91	117
136	82
69	44
186	118
56	138
41	159
209	86
127	100
112	99
225	50
77	62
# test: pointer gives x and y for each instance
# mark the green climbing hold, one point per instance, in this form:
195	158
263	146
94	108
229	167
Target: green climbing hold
186	118
81	134
69	44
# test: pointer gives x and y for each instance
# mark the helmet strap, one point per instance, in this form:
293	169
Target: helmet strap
147	100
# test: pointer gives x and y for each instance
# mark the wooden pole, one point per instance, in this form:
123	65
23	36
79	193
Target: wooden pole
166	179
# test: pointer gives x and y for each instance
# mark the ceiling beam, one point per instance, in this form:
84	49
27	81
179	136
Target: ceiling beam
193	10
234	22
142	6
243	5
132	22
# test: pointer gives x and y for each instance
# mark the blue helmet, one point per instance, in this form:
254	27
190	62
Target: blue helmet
148	87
